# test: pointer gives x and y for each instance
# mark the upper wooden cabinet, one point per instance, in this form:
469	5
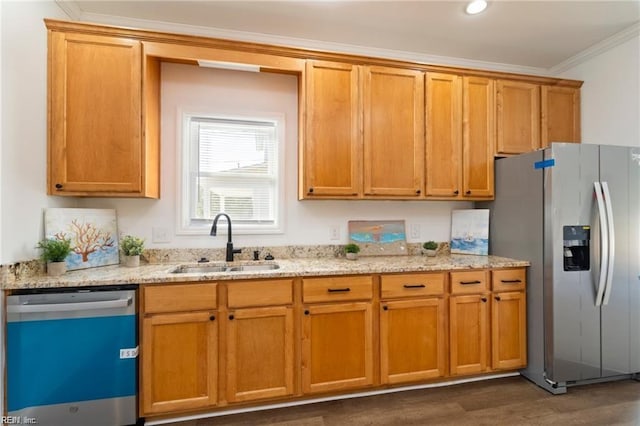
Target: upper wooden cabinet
393	132
97	146
332	149
560	115
460	130
518	117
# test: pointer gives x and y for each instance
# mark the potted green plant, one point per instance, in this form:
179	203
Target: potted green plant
352	251
430	248
54	253
132	247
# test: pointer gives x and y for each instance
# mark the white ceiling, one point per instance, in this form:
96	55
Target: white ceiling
528	34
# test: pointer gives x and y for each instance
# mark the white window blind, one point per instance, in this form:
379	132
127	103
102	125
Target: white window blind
233	167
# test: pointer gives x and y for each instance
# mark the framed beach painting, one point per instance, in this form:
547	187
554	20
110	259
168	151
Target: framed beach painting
379	237
470	231
93	234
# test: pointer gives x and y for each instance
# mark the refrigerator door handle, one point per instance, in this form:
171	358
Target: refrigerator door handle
604	243
612	243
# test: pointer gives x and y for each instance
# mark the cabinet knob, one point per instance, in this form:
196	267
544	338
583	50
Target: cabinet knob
418	192
212	318
484	299
306	312
231	317
468	192
311	190
386	308
456	192
58	186
497	298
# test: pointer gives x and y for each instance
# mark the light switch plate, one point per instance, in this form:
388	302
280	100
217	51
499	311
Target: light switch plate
414	231
160	235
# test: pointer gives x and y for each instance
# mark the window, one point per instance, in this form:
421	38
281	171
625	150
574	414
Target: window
232	165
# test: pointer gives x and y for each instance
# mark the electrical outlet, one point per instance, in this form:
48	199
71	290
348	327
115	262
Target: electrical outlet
414	231
160	235
334	233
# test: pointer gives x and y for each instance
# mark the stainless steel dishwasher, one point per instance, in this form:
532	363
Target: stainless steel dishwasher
72	356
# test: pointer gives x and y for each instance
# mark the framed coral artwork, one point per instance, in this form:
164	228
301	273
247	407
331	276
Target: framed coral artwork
93	234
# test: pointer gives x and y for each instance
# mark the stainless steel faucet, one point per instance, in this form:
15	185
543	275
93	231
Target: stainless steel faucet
214	231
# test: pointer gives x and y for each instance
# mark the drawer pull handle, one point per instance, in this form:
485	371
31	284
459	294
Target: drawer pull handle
339	290
212	318
306	312
470	282
498	298
511	281
231	317
414	286
484	299
386	308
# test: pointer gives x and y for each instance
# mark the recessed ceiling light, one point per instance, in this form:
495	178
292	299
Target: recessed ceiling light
476	6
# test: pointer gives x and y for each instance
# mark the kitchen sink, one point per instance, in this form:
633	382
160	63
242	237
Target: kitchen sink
263	267
207	269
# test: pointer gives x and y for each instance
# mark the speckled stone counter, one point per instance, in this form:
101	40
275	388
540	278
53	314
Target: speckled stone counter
162	272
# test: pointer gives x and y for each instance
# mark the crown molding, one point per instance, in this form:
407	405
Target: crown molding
303	43
597	49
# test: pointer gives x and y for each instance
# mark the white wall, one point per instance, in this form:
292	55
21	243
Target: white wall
611	95
306	222
24	126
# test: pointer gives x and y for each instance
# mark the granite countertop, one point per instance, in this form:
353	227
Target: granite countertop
159	273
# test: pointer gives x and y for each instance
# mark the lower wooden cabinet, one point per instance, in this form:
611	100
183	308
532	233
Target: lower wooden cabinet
180	361
468	333
412	340
337	347
282	338
508	330
259	351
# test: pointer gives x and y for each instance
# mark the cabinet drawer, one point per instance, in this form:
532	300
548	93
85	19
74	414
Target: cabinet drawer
508	279
469	282
177	298
411	285
329	289
259	293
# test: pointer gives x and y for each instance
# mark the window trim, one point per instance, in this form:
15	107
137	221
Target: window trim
186	226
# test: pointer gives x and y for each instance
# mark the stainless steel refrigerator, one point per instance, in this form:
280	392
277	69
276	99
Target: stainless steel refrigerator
573	211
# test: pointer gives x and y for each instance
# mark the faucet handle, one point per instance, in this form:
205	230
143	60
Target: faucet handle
268	257
256	255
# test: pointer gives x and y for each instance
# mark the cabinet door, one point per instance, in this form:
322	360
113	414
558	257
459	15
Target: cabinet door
444	135
179	361
509	330
412	340
518	117
332	149
560	115
393	132
478	137
468	333
95	115
337	350
259	353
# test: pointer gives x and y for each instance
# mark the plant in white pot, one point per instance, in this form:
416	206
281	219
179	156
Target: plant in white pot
132	248
54	253
351	250
430	248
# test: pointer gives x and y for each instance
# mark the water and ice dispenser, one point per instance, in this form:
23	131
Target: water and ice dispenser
576	247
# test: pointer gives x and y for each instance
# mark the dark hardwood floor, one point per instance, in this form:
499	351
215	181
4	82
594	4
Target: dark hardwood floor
505	401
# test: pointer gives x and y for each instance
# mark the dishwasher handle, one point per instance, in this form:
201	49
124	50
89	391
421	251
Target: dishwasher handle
66	307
